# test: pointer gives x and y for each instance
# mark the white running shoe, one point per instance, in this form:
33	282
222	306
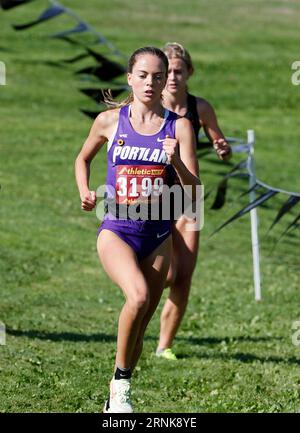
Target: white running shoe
119	397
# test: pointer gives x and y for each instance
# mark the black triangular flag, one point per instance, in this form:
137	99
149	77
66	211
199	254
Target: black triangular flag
107	69
286	207
294	224
222	189
261	199
222	186
79	28
49	13
9	4
253	188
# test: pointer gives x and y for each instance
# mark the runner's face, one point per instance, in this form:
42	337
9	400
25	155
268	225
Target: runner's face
178	74
148	78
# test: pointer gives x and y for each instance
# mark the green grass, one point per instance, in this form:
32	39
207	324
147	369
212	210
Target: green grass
59	308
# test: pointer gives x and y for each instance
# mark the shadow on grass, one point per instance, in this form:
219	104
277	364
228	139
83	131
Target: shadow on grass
244	357
62	336
100	337
217	340
6	50
72	336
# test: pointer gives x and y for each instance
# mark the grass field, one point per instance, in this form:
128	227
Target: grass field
59	308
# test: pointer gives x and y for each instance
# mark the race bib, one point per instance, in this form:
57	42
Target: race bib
139	183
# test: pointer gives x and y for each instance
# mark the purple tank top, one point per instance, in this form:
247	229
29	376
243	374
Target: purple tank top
136	163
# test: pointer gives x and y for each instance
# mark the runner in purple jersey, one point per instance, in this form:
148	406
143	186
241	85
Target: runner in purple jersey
143	157
135	163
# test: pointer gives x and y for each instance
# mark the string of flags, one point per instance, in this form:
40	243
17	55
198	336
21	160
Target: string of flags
243	170
107	70
103	73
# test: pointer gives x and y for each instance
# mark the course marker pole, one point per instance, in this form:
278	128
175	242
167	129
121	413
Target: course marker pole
253	217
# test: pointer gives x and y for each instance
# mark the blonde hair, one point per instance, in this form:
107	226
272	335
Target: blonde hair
174	50
107	96
112	103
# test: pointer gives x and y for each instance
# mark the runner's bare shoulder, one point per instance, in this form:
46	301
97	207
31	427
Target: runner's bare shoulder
203	106
106	121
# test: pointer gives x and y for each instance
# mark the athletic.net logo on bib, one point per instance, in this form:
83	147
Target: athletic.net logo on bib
139	183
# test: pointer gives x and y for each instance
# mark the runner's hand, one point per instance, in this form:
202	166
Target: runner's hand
170	146
222	148
88	201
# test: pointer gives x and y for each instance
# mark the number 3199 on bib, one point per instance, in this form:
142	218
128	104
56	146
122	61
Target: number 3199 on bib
139	183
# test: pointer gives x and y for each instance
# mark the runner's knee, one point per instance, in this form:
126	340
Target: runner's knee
139	300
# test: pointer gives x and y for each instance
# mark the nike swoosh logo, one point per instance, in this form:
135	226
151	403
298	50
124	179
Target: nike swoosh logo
160	139
160	236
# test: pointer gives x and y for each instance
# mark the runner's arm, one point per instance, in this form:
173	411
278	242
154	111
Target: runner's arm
98	135
208	119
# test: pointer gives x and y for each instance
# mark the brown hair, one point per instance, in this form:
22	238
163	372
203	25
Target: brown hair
173	50
111	103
